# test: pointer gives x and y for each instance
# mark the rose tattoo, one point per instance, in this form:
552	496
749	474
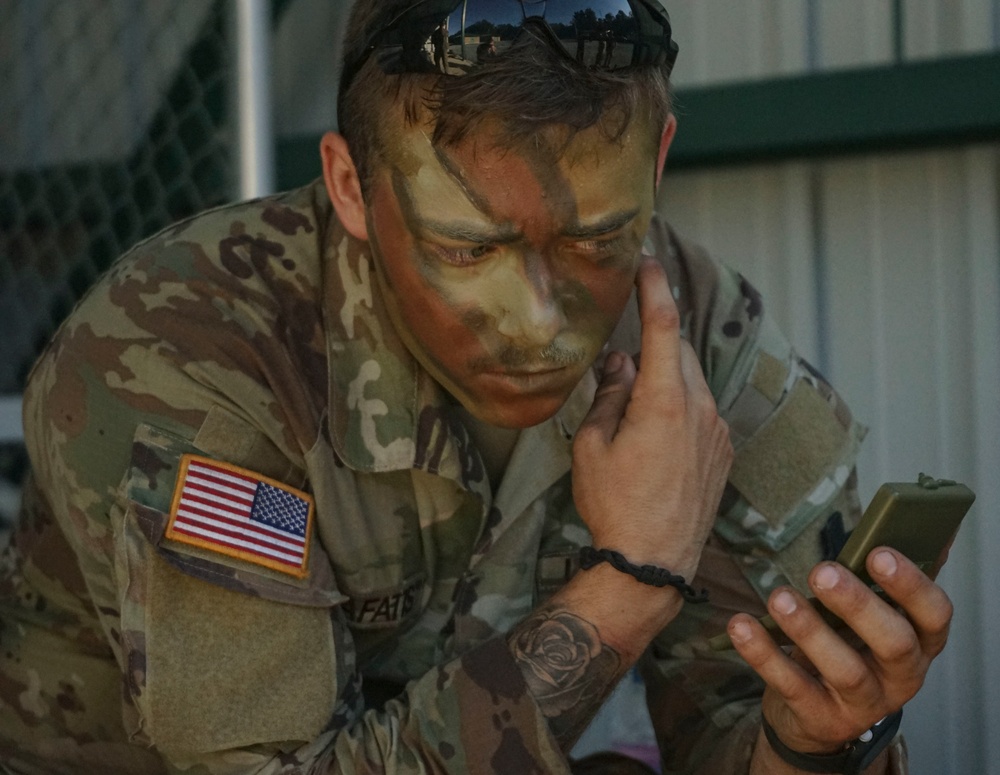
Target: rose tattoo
567	668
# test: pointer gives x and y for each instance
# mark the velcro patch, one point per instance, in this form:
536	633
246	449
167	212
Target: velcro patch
769	376
239	513
782	463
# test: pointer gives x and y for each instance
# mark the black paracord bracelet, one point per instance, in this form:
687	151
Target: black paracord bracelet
647	574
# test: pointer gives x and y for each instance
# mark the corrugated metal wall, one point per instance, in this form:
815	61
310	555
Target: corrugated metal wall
885	270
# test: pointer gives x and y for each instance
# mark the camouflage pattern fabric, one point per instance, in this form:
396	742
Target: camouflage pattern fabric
254	335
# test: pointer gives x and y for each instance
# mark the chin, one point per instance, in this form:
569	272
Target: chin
518	414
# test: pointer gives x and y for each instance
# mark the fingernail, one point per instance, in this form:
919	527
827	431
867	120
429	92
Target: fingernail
740	632
884	563
784	602
826	577
613	364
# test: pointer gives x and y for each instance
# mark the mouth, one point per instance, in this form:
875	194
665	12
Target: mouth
530	371
531	379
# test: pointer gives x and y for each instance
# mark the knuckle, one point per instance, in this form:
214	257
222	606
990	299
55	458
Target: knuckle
796	692
945	613
727	445
589	439
707	407
903	648
671	405
723	439
855	678
940	624
663	317
610	388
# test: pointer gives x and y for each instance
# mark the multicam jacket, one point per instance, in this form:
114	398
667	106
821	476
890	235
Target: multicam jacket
254	336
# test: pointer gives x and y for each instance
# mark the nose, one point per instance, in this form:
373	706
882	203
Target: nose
531	312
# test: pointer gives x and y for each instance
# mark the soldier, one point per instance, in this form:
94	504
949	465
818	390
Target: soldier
364	477
439	42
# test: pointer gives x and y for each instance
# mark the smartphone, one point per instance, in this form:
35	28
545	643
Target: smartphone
919	520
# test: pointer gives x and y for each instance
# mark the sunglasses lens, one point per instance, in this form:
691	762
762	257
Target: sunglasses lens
454	38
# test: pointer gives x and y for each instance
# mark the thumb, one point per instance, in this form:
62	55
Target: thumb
612	396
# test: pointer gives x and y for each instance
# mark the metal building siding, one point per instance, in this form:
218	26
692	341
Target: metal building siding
722	41
935	28
912	254
886	272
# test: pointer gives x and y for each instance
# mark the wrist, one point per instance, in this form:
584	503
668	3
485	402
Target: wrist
628	613
648	574
639	552
852	758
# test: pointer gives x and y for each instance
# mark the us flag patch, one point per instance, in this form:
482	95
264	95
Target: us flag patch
239	513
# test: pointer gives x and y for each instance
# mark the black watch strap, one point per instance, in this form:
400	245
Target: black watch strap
853	760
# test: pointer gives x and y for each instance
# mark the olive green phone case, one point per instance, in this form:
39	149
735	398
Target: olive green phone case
918	519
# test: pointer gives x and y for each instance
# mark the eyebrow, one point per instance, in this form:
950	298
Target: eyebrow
606	225
506	234
470	232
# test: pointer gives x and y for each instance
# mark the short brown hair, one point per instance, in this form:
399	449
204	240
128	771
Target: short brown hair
530	89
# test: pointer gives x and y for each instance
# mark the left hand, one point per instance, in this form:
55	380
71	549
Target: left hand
827	691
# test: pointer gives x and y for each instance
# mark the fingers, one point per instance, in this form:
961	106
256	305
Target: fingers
856	687
927	607
610	401
901	642
661	339
784	675
651	458
823	693
840	666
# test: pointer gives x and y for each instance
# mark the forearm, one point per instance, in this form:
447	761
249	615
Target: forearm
573	651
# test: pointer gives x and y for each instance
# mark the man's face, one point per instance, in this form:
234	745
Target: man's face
505	271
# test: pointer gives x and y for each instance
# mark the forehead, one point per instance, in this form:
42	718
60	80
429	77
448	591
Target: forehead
489	171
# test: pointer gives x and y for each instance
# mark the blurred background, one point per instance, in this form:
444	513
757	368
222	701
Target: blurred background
843	154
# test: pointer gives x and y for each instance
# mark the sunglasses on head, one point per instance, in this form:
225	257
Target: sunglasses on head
455	37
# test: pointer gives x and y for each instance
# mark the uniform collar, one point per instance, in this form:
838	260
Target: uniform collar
385	412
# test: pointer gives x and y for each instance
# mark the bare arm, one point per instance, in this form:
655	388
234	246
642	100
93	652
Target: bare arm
649	466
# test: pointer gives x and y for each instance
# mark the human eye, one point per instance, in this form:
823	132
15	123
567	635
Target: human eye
465	255
600	247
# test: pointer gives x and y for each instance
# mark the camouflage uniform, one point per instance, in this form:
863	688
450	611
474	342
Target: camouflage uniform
254	335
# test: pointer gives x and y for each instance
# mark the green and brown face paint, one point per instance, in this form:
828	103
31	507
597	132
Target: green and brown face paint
505	270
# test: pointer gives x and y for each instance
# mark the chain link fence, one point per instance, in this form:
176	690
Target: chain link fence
113	124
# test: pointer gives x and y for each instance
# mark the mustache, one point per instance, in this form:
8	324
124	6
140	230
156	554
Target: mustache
510	357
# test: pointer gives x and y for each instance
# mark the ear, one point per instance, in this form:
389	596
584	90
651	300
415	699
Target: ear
343	185
665	140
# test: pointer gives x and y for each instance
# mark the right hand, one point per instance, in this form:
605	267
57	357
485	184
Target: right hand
651	458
